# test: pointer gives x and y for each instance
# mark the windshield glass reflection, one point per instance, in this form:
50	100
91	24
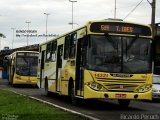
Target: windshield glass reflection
119	54
27	66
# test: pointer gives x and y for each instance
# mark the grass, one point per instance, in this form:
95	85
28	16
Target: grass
16	107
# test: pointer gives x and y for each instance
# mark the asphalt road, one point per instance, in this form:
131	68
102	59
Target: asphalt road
103	110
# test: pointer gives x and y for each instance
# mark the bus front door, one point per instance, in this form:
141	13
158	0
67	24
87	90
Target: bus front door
59	68
79	69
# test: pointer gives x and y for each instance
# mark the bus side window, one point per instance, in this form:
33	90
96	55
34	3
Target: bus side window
48	52
73	45
54	48
67	47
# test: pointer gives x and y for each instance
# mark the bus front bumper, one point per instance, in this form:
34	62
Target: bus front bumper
30	82
90	93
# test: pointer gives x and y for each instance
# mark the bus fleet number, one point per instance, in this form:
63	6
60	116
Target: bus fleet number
101	75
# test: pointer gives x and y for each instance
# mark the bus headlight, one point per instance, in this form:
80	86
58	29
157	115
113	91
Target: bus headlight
96	86
144	88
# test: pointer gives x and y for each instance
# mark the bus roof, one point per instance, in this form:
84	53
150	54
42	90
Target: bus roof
21	51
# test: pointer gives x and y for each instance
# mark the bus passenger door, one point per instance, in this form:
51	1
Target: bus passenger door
9	72
42	70
59	68
12	70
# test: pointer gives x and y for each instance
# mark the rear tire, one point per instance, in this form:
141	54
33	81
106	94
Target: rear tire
46	87
124	103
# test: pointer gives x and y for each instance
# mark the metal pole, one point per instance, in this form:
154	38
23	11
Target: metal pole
72	11
27	33
46	26
115	9
72	15
13	37
153	17
46	23
0	43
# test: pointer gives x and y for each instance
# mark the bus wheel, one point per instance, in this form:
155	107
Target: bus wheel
73	99
46	86
124	103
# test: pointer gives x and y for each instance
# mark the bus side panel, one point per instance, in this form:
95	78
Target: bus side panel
50	72
67	73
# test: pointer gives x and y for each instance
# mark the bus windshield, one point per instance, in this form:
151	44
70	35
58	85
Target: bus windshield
119	54
27	65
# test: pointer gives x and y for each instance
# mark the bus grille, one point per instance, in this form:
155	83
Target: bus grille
122	85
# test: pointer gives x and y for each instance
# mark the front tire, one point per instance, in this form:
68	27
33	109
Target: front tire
73	99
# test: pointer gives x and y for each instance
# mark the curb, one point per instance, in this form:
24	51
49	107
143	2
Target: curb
57	106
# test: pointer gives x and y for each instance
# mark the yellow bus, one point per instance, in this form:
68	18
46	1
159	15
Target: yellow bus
108	59
22	67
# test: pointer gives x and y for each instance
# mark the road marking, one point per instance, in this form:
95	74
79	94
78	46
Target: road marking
57	106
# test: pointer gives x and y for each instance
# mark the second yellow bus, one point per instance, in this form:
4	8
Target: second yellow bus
22	67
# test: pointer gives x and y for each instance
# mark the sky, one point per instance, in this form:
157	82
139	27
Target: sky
15	14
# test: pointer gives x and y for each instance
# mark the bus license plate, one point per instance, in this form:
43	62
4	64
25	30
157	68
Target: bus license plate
120	95
28	81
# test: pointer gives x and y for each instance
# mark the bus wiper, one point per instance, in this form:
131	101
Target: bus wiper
131	43
110	40
156	83
129	46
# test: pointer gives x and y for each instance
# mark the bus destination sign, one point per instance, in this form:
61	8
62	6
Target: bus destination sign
27	54
120	28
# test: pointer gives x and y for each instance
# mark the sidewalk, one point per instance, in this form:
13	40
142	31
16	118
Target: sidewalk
3	83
